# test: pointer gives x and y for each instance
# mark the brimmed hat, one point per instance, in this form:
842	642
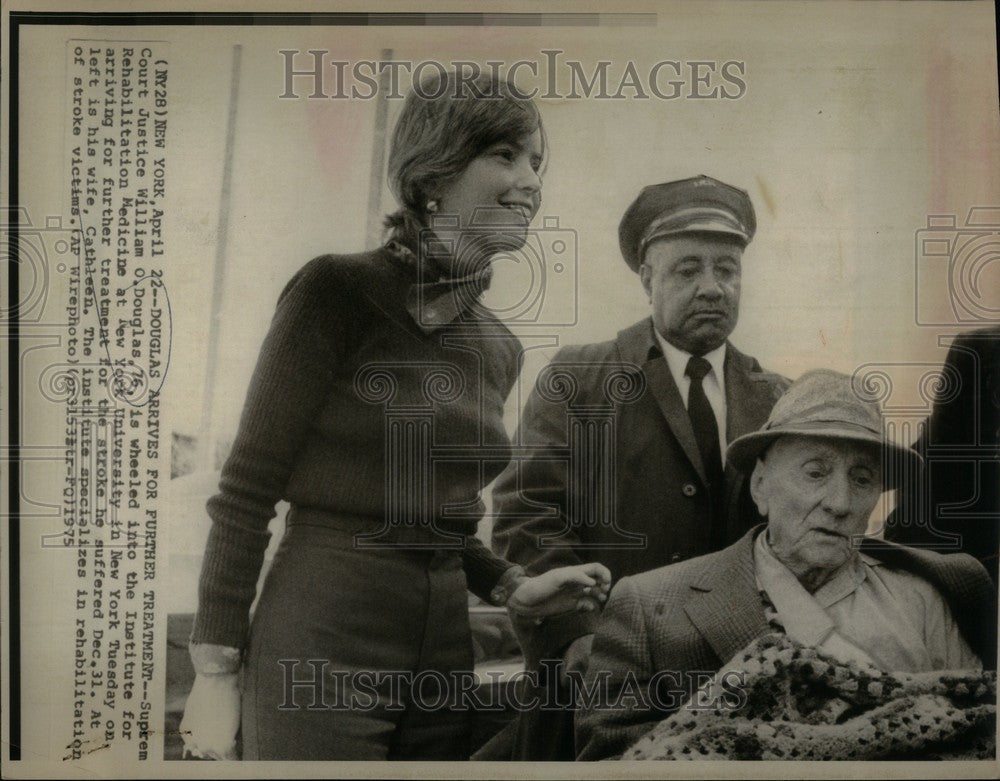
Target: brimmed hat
824	403
697	205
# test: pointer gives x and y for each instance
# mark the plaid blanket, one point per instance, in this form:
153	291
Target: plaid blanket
803	704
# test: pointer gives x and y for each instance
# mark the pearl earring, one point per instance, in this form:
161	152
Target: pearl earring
432	206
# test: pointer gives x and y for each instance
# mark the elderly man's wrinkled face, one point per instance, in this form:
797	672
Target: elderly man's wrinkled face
816	492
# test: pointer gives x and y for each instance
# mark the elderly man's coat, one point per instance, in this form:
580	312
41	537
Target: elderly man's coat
694	616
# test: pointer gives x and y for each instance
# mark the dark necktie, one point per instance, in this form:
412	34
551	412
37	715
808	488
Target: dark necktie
706	433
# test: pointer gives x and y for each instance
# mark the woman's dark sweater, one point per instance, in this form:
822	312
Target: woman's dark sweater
314	426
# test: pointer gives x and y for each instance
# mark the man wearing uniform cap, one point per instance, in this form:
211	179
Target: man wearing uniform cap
816	473
669	498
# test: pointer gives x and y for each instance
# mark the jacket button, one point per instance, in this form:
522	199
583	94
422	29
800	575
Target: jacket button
689	489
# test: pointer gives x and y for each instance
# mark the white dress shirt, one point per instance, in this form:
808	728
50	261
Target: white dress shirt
714	382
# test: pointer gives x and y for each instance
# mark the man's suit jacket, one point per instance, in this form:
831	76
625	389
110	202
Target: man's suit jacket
694	616
662	511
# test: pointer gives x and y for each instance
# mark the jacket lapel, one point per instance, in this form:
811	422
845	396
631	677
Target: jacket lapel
634	345
750	395
661	384
725	605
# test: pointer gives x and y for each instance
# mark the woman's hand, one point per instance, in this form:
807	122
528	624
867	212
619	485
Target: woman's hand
212	717
581	587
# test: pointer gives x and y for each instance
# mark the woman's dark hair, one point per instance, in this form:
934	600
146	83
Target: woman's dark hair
447	122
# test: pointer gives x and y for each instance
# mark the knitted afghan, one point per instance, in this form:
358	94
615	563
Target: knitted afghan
803	704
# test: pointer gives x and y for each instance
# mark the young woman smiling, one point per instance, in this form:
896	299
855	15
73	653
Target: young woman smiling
368	589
